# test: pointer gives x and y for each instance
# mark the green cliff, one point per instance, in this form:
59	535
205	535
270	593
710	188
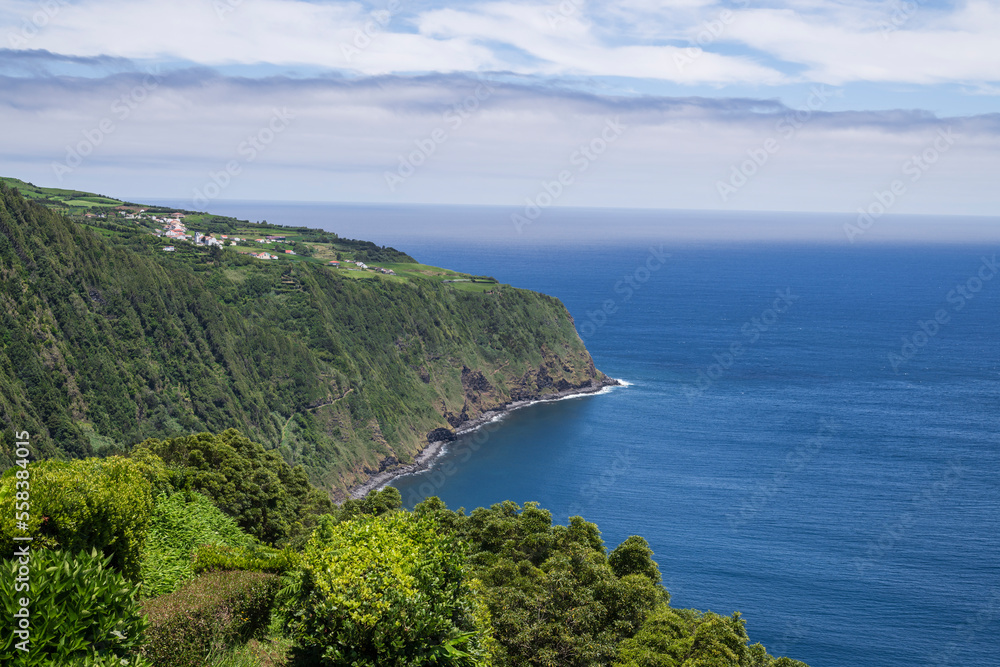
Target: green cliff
107	340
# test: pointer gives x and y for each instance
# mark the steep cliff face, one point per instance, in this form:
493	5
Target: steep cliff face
107	341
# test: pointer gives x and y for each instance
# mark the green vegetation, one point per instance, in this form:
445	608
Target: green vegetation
214	612
79	505
689	638
553	596
373	585
257	488
106	341
386	591
80	611
180	524
294	376
256	558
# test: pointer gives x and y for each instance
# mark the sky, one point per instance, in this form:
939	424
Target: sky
846	106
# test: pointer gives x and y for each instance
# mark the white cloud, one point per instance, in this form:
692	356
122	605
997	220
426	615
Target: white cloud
346	135
876	46
835	42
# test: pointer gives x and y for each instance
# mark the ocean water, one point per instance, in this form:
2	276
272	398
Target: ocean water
847	503
809	434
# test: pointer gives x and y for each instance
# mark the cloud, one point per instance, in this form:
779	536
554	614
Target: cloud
563	43
676	41
480	143
928	46
40	63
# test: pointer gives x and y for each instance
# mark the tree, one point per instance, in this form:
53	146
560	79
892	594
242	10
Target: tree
633	556
269	499
554	598
689	638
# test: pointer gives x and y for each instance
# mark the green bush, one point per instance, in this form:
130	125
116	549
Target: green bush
211	613
386	591
80	609
181	523
211	557
76	506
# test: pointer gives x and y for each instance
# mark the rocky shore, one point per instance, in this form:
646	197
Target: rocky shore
426	457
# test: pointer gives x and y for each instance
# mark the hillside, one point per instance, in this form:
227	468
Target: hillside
107	340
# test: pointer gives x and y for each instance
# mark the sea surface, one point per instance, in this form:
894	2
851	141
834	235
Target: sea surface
809	433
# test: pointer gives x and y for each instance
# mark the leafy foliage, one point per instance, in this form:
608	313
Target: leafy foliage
213	612
689	638
633	556
75	506
387	591
376	503
80	610
180	524
267	498
210	557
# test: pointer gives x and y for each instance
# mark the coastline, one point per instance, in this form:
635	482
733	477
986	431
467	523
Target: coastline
428	454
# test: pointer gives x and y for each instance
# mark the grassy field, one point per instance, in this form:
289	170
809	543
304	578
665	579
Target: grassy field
78	204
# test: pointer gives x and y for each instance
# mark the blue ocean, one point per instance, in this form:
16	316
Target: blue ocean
808	433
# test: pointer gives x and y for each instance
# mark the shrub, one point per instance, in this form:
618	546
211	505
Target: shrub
211	613
80	505
181	523
386	591
211	557
80	610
